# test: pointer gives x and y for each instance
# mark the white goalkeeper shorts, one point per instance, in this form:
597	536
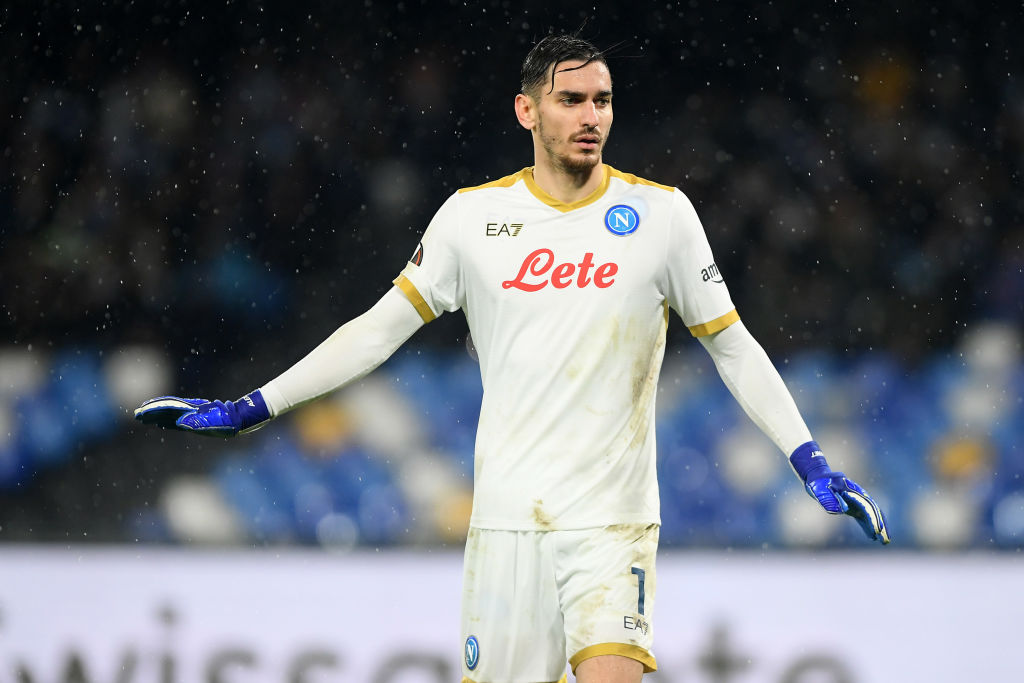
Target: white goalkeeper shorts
533	600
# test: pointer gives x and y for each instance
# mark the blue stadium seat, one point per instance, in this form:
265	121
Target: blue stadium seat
263	519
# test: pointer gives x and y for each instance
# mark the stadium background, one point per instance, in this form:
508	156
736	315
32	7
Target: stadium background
195	194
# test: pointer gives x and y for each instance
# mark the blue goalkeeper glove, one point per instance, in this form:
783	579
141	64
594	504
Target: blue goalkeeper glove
837	494
209	418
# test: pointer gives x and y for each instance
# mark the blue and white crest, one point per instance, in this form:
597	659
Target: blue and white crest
472	652
622	219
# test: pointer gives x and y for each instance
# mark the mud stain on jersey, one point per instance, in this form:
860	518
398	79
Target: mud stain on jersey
473	550
606	335
540	517
627	532
645	373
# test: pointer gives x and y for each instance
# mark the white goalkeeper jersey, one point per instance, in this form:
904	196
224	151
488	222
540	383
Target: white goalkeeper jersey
567	305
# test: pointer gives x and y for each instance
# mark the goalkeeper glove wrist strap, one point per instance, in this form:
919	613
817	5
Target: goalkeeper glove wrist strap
251	410
809	462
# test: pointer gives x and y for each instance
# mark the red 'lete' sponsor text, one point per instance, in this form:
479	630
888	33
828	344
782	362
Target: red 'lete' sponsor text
539	269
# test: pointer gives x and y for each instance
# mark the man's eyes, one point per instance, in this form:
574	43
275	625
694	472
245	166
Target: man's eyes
600	101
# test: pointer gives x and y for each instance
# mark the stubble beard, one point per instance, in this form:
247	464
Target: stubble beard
579	165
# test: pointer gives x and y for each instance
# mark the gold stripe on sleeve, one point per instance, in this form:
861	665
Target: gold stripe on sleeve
414	297
622	649
716	325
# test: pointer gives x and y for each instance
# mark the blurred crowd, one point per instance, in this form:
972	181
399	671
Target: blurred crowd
216	188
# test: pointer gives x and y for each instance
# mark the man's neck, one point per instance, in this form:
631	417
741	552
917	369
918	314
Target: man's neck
566	186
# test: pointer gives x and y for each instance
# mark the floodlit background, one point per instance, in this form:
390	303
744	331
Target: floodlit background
193	195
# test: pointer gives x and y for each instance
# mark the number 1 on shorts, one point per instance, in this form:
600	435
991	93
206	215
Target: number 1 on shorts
640	581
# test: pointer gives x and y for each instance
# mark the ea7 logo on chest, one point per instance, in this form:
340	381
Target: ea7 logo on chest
499	229
711	273
539	270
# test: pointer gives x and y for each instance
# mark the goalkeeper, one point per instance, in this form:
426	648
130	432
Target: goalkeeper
565	271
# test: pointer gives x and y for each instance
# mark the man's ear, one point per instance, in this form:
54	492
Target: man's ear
526	111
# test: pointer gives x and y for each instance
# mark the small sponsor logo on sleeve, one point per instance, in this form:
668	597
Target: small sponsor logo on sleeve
711	274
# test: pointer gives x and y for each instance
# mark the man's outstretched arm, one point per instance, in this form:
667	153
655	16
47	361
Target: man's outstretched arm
755	383
356	348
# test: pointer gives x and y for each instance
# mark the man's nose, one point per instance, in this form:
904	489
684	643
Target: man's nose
588	114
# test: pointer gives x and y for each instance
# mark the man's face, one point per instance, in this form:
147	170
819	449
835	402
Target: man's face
573	118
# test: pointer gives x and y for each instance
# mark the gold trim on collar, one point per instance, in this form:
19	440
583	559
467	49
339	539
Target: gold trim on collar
637	180
507	181
564	207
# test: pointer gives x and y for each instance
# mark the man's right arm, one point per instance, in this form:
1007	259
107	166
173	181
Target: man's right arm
428	286
356	348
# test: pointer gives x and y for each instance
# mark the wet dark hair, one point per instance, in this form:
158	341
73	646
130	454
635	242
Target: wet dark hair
546	55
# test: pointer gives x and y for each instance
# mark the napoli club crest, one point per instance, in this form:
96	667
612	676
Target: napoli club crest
622	219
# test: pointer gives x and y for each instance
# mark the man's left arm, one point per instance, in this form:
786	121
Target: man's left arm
755	383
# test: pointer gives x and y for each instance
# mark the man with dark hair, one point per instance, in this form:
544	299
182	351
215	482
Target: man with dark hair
565	272
540	63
